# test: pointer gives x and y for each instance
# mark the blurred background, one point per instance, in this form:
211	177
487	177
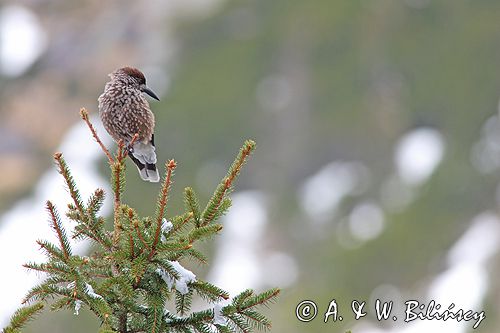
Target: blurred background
377	169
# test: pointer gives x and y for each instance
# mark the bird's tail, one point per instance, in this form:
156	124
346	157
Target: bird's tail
144	157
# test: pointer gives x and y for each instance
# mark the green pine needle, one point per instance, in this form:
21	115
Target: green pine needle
209	292
70	182
22	316
192	205
203	232
95	202
211	210
59	230
183	302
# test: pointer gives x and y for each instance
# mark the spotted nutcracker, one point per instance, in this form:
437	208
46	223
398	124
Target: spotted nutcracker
125	111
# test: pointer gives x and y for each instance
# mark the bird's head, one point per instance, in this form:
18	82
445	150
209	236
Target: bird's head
133	77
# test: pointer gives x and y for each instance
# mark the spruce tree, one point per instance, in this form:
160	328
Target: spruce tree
134	269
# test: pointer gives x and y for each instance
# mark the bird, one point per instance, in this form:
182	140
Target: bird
124	112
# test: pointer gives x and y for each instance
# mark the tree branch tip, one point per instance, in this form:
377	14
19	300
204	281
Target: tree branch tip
84	114
171	164
250	143
57	156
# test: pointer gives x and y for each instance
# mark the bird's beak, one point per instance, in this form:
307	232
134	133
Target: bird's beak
149	92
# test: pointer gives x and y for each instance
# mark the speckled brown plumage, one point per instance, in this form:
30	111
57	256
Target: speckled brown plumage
125	111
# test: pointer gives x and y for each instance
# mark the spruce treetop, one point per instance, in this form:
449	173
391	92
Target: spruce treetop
135	268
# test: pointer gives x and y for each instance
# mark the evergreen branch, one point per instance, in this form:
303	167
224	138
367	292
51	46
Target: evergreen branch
91	225
120	285
223	329
73	191
94	232
154	319
261	299
117	171
241	313
85	116
33	266
209	292
239	323
49	288
192	204
180	221
177	245
135	275
61	234
61	303
22	316
99	306
56	268
195	317
257	320
122	326
183	302
195	254
203	232
223	208
95	202
139	235
167	266
131	245
52	251
241	297
162	202
202	328
215	202
139	266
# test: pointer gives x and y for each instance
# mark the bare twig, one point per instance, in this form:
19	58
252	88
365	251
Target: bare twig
85	116
134	139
